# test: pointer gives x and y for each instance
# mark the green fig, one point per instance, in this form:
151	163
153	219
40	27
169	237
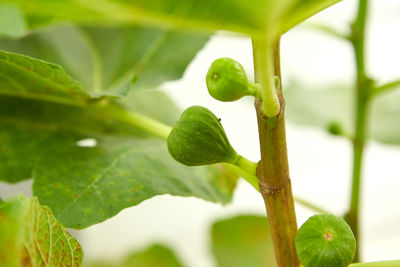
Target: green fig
335	128
227	81
325	240
199	139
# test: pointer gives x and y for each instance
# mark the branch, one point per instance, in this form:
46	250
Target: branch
388	87
327	30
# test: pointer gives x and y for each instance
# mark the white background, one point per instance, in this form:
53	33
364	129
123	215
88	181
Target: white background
320	164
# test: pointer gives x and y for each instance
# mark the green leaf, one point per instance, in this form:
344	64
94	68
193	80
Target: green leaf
29	127
243	241
154	256
87	185
253	17
31	78
11	234
322	107
301	10
126	167
31	236
12	21
105	60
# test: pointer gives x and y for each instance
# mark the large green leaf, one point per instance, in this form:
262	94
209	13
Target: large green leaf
154	256
29	127
336	104
243	241
104	60
254	17
301	10
31	236
31	78
86	185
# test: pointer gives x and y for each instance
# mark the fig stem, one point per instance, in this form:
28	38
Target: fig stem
143	122
246	165
254	90
264	64
248	177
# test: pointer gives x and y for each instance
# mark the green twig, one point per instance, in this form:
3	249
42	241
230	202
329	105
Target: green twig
327	30
363	88
310	205
388	87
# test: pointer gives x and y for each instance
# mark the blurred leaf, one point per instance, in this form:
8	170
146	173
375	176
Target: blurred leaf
104	60
385	118
11	233
336	104
154	256
12	21
253	17
320	107
243	241
31	236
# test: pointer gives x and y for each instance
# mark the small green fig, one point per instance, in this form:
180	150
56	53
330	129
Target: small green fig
325	240
199	139
227	81
335	128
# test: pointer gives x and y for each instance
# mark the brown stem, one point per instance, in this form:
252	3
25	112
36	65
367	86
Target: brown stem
273	172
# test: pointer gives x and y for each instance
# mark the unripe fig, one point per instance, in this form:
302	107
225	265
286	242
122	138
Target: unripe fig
199	139
335	128
227	81
325	240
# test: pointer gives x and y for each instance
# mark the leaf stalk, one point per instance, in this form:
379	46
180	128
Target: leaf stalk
273	169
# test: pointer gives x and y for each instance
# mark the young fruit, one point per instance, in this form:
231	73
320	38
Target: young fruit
227	81
325	240
335	128
199	139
